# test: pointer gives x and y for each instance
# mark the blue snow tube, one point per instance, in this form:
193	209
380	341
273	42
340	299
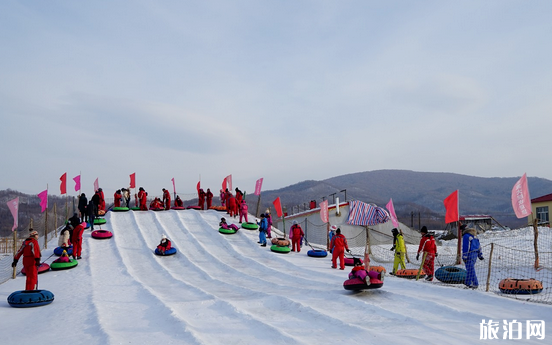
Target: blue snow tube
451	275
30	298
171	251
59	250
317	253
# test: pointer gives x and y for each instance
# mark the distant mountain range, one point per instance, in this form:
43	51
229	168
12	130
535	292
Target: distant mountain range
414	194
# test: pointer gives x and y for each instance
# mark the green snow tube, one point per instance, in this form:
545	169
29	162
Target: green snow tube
279	249
56	266
250	226
227	231
120	209
99	221
135	208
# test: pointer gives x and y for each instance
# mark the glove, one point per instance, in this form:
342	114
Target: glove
14	263
37	261
348	250
418	257
481	258
392	248
436	254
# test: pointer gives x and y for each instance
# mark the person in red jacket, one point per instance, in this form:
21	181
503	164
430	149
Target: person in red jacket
201	198
243	211
77	241
178	202
31	259
231	205
296	233
167	199
427	246
117	198
164	245
101	205
143	196
209	196
339	246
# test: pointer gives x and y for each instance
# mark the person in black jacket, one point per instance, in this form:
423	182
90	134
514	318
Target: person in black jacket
92	210
83	201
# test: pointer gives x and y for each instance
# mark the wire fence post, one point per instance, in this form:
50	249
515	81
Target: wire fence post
489	270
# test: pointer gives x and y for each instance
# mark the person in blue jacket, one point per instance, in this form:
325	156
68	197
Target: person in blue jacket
471	251
263	226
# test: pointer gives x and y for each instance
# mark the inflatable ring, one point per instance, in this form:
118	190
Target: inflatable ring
101	234
357	284
135	208
280	249
194	207
227	231
409	273
168	252
101	212
59	250
87	225
157	209
120	209
41	269
280	241
99	221
249	226
218	208
351	261
177	208
520	286
57	266
378	269
30	298
317	253
451	275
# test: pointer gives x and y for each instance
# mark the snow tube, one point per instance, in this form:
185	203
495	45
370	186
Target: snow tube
280	249
30	298
135	208
218	208
451	275
99	221
193	208
157	209
227	231
317	253
120	209
59	250
351	261
409	273
57	266
41	269
357	284
250	226
520	286
101	212
87	225
177	208
280	241
378	269
171	251
101	234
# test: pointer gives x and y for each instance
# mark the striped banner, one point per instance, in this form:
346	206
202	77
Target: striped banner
362	213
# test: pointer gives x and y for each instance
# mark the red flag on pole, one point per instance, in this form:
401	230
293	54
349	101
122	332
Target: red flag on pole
13	205
258	186
521	202
174	186
225	183
63	185
451	206
278	207
392	213
198	186
96	185
324	211
133	180
77	183
229	180
43	200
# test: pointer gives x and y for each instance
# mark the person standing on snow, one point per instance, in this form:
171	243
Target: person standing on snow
143	197
339	246
201	198
296	233
30	250
101	204
471	251
262	231
400	250
92	210
166	199
231	205
222	197
209	197
117	198
126	196
83	201
77	241
243	211
269	223
429	248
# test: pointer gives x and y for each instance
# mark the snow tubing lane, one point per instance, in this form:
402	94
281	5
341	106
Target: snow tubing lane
120	209
59	250
351	261
520	286
279	249
250	226
227	231
168	252
41	269
451	275
58	266
409	273
30	298
357	284
101	234
317	253
99	221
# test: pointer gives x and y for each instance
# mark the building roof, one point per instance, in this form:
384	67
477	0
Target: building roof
544	198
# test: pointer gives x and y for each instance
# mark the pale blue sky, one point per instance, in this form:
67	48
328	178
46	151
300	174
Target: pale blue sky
284	90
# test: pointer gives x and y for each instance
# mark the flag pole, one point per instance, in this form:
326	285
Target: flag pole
46	221
14	251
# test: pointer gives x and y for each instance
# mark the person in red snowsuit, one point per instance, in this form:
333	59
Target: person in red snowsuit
428	246
231	205
209	196
243	211
339	246
167	199
77	241
164	245
296	233
201	197
239	195
31	259
117	198
178	202
222	198
142	196
101	205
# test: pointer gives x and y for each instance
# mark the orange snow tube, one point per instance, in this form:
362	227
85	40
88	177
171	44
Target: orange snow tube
280	241
520	286
409	273
378	269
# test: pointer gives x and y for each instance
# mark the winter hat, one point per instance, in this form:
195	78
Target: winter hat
33	233
267	210
395	231
424	230
223	219
463	227
294	222
333	227
64	253
163	237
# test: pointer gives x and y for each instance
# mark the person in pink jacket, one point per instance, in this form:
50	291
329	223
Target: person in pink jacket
269	221
296	233
243	211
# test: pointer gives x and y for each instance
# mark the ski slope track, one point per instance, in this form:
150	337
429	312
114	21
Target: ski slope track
226	289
